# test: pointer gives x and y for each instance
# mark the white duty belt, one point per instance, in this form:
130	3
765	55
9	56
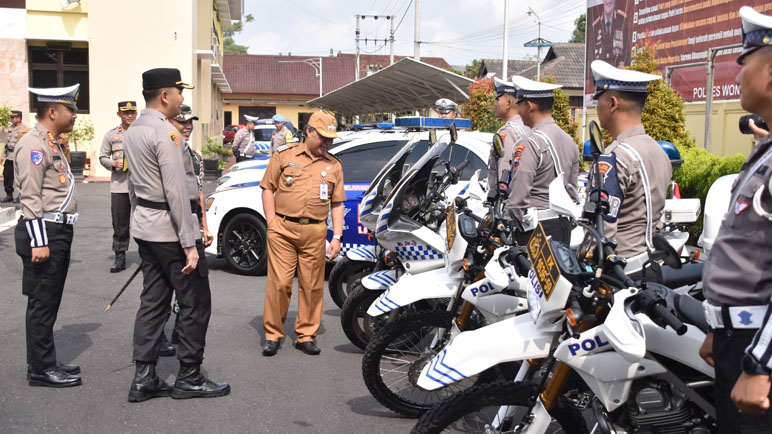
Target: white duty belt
60	217
742	317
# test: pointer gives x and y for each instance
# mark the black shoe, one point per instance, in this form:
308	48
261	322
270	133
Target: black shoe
8	199
308	347
146	384
166	348
270	348
120	262
53	378
191	383
68	369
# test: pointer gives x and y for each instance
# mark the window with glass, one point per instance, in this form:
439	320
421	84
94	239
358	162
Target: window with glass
61	66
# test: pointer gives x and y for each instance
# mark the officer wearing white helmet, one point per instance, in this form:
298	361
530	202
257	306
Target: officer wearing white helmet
511	132
446	108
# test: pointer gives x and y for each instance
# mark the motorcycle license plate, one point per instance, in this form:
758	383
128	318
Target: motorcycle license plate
543	261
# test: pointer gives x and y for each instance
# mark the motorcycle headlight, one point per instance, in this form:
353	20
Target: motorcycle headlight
534	307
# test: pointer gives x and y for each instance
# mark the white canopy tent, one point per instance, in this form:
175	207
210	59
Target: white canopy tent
403	86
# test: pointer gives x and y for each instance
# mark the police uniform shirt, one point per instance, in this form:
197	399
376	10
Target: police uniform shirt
160	170
295	178
241	140
629	230
279	138
533	168
739	269
112	150
13	138
43	178
511	132
610	37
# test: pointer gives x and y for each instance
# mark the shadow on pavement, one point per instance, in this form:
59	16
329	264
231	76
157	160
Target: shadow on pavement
368	406
73	340
348	349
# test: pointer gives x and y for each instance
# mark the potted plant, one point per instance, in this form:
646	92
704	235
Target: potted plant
213	153
82	134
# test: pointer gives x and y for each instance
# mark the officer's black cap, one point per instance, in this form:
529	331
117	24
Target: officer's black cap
15	113
127	106
160	78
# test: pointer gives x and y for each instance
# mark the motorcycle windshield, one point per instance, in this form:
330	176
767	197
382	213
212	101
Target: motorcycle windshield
402	205
383	183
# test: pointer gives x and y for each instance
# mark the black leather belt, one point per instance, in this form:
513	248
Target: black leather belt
300	220
163	206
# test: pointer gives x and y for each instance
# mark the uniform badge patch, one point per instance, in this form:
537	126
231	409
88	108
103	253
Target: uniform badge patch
62	179
176	139
740	207
516	157
604	167
503	136
36	157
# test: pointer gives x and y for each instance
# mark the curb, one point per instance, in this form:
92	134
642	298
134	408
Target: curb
7	215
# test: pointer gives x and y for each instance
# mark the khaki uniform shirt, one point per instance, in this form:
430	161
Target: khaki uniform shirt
241	140
511	132
112	150
533	167
42	175
12	138
295	177
160	170
739	269
630	228
280	137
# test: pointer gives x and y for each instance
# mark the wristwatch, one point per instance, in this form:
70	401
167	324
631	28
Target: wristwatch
338	237
750	367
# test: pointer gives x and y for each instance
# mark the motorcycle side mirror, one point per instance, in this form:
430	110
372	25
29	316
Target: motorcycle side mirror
498	146
663	251
433	177
453	133
596	139
516	221
432	137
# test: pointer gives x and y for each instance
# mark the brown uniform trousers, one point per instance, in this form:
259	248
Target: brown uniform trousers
295	178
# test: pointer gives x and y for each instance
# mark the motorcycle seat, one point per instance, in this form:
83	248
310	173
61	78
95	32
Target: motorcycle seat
689	274
691	311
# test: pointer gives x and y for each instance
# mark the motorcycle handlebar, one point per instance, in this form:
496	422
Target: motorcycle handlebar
670	319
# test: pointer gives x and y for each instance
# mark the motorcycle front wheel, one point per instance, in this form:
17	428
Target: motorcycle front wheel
478	410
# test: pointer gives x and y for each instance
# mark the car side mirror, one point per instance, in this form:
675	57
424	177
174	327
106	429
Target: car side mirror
432	137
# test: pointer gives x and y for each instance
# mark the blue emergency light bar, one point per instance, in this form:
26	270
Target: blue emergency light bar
380	125
424	122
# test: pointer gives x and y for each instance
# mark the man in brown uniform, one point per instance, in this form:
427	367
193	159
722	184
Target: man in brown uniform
111	158
302	182
511	132
164	197
548	152
281	135
7	159
44	233
244	139
636	170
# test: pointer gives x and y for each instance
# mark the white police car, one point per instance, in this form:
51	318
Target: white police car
235	214
263	131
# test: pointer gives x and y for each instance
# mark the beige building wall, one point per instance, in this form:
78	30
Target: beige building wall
290	111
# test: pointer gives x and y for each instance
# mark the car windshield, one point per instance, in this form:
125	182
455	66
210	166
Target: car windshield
263	134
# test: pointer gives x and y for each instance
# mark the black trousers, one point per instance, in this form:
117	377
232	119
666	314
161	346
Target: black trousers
8	177
43	284
559	228
161	270
728	349
120	206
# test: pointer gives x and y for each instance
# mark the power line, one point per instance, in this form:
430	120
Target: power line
403	16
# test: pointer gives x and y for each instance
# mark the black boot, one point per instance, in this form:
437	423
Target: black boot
166	349
120	262
146	384
191	383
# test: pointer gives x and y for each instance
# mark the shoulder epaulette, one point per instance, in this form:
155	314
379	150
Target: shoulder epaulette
282	148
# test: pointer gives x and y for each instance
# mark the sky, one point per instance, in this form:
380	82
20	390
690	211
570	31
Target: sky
457	30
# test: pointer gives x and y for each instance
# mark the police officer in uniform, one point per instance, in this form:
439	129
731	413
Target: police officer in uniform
281	135
511	132
636	170
7	159
548	152
244	140
736	280
446	108
44	233
609	33
164	196
111	158
302	182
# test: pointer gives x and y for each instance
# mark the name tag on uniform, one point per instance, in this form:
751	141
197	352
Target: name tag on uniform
323	193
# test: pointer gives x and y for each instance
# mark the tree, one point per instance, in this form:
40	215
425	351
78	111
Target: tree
82	134
455	71
580	26
480	106
473	70
229	45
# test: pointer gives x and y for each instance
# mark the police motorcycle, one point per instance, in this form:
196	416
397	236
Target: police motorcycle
364	259
481	289
629	349
411	250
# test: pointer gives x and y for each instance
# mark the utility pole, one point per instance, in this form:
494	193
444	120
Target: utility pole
315	62
356	38
417	32
391	40
505	61
539	43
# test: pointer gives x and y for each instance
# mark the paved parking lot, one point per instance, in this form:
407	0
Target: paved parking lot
289	393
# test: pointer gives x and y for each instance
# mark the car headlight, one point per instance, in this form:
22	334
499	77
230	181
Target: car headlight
209	202
534	307
223	180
